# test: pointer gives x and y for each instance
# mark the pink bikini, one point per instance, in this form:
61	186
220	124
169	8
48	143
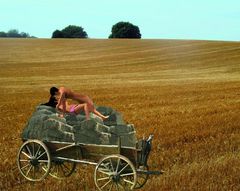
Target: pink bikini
72	109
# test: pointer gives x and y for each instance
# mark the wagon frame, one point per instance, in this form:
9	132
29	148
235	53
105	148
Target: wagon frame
117	167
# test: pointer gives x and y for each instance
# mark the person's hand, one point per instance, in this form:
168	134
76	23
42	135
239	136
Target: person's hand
61	115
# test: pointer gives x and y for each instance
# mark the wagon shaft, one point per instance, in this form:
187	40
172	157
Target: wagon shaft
149	172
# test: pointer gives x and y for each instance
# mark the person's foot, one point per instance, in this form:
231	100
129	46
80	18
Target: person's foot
105	117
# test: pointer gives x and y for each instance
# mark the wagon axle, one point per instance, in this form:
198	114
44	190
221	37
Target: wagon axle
115	177
34	161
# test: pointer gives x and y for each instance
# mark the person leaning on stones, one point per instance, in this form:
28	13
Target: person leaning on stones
65	93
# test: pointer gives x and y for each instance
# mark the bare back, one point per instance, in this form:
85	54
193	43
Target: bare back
69	94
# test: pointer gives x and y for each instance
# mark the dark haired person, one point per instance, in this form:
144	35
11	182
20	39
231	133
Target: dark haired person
52	102
65	93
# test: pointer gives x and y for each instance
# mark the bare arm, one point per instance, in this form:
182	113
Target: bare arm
62	101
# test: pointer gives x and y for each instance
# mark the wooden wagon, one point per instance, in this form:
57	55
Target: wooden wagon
117	167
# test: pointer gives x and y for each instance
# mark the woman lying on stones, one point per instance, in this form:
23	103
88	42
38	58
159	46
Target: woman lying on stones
70	108
85	103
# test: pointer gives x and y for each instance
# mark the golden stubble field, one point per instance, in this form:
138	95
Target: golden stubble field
186	92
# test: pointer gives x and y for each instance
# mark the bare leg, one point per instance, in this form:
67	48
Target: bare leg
99	114
91	108
84	107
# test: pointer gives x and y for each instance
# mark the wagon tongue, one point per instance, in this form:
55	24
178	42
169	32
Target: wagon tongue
149	172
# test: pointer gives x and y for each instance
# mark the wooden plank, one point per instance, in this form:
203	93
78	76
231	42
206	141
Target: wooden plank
130	153
91	151
95	151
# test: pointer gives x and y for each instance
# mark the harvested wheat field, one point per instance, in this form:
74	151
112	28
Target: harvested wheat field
185	92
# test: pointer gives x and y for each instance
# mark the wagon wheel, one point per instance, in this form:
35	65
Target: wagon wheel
115	172
34	160
141	177
61	169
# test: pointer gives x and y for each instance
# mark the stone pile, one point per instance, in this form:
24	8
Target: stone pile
46	125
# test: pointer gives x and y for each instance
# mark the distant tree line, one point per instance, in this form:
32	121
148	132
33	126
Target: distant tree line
119	30
14	33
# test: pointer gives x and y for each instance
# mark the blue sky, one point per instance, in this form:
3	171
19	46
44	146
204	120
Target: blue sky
156	19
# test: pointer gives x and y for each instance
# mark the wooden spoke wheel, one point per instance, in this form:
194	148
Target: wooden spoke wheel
61	169
34	160
141	177
115	172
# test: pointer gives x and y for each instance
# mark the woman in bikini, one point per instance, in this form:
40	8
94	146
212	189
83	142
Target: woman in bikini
84	102
74	108
71	108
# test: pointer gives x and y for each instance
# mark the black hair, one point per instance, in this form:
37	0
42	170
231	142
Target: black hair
52	102
53	91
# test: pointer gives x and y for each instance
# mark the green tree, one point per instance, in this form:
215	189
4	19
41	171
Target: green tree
57	34
125	30
3	34
70	31
13	33
24	35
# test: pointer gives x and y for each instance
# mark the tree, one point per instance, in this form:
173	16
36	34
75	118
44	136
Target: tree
125	30
57	34
24	35
3	34
70	31
13	33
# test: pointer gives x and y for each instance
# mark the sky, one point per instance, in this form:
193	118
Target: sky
156	19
